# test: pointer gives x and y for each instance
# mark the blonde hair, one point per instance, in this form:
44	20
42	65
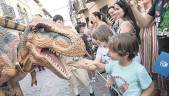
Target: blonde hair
102	33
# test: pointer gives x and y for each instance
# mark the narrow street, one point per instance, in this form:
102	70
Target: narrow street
51	85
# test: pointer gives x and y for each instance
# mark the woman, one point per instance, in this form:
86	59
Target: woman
158	13
148	47
125	20
97	19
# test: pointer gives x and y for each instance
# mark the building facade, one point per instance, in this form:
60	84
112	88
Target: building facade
21	10
81	9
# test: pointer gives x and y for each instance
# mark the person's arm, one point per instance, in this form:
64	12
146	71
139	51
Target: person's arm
145	82
148	91
145	20
100	66
126	27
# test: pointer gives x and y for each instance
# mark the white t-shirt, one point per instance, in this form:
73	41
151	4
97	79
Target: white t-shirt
102	53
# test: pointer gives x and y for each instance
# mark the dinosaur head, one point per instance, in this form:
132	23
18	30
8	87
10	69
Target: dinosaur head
48	44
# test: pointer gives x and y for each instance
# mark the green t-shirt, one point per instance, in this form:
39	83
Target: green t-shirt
160	8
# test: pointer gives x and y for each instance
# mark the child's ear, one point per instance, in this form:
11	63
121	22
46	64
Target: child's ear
126	54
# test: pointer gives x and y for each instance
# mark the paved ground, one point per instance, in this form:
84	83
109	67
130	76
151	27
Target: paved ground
51	85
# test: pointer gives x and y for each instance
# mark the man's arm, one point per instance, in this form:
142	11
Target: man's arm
144	21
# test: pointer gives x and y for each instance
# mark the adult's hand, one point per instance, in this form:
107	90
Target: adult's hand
110	21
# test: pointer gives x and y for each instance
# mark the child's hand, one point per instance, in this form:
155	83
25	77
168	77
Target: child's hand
109	83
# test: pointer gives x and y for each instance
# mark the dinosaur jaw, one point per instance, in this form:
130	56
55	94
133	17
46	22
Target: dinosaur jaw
54	63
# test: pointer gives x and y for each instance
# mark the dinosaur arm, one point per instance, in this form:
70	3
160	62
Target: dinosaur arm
33	76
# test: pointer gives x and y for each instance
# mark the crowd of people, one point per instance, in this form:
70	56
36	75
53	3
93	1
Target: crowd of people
125	44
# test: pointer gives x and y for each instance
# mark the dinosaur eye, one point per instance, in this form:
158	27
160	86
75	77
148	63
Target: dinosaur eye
55	36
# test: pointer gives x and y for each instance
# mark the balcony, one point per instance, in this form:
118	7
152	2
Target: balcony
82	10
7	11
79	6
88	1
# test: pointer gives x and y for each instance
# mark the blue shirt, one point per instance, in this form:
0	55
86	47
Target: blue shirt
134	74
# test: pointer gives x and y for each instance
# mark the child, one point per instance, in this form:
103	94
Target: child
127	74
101	35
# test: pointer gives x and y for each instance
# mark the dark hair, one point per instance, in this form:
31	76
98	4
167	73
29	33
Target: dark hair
124	44
128	14
101	16
57	17
102	33
110	7
79	25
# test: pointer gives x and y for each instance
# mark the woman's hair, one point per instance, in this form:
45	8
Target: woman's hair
101	16
102	33
124	44
110	7
57	17
128	14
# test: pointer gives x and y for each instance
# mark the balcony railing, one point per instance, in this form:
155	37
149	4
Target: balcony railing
7	11
88	1
80	6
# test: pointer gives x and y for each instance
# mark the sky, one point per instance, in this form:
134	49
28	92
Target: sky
58	7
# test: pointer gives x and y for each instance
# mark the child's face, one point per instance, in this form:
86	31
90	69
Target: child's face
101	44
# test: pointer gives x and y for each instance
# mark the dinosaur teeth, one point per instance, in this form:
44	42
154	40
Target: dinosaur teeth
53	51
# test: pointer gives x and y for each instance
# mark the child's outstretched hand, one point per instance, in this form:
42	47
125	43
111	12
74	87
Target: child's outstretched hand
109	83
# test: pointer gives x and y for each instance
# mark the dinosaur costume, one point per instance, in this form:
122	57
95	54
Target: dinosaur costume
44	44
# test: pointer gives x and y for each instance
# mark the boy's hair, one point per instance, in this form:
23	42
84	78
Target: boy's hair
102	33
124	44
57	17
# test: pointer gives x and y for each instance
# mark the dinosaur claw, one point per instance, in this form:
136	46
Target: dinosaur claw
34	83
